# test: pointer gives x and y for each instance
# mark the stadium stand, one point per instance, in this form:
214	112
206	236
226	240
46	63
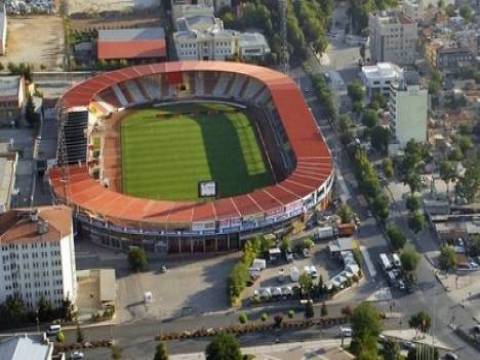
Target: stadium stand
120	96
221	86
75	127
135	92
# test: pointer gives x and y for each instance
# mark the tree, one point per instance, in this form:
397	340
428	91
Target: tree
370	118
468	186
366	326
13	310
447	260
116	352
345	212
30	114
308	243
243	318
357	107
379	139
380	207
412	203
286	244
363	50
410	260
413	180
80	336
388	168
137	259
223	347
420	321
464	143
355	91
45	309
396	236
67	310
306	283
278	319
474	249
467	13
448	172
309	312
435	84
161	352
60	337
391	350
416	222
324	310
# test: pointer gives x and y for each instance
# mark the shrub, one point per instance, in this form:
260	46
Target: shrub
243	318
278	320
347	311
264	317
291	314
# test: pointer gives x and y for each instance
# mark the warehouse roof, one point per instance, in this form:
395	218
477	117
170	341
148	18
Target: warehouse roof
131	43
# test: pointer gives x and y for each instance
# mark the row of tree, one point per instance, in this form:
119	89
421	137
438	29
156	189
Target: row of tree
14	311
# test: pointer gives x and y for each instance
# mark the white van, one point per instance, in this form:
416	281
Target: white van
385	262
53	330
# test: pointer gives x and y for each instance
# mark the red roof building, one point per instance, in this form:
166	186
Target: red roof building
132	44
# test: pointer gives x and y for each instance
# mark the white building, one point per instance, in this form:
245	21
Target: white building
416	8
393	37
408	107
21	347
201	37
37	255
378	78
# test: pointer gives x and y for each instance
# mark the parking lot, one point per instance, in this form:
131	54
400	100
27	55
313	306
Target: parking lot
46	52
277	275
187	288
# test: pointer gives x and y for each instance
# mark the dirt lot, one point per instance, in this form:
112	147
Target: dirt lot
116	21
37	40
97	6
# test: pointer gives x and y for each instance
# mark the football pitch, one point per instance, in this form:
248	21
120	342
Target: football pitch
166	151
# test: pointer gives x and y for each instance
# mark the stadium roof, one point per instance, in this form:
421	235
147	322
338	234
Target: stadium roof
131	43
313	159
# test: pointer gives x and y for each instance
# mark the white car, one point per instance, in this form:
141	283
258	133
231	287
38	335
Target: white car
76	355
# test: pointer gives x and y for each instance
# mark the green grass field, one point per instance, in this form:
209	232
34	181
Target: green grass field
166	151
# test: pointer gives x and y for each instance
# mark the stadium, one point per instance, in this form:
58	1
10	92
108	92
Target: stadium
186	157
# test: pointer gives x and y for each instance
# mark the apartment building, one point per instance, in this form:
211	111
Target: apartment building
37	255
408	107
446	56
378	78
393	37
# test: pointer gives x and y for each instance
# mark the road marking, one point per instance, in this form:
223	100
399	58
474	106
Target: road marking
368	262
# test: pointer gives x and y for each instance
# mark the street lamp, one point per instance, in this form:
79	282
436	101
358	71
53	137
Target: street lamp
38	321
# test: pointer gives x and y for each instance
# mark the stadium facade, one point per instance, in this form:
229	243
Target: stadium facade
298	156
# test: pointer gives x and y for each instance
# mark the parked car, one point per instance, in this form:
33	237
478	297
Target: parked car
53	330
346	332
76	355
450	356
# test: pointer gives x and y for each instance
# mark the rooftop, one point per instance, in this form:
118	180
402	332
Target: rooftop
34	347
131	43
151	33
19	225
382	70
252	39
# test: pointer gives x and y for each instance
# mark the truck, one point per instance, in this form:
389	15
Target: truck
345	229
325	232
